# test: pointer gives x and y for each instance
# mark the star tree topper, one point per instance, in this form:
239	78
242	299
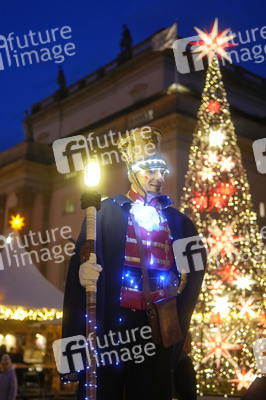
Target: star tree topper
213	43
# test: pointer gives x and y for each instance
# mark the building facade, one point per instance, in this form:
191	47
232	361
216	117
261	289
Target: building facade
145	90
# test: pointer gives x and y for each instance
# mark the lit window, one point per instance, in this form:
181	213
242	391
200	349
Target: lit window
262	209
69	205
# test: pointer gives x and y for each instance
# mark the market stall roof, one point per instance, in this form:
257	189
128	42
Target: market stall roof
24	286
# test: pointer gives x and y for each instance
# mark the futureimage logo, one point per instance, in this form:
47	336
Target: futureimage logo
246	48
72	154
189	254
259	150
12	47
75	353
259	348
53	252
71	354
183	52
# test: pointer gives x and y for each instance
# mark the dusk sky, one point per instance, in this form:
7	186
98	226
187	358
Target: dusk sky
96	29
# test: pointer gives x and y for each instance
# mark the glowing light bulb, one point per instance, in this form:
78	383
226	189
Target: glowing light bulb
92	174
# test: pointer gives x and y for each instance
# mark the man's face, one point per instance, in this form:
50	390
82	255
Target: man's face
5	365
152	181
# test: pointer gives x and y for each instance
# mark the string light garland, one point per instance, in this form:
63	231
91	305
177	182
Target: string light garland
21	314
230	313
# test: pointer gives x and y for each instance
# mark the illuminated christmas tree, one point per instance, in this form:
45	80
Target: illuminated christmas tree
229	315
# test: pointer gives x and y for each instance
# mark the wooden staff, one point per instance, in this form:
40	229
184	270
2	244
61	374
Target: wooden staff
91	291
91	202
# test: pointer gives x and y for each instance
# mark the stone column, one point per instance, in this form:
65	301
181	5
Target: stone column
25	201
46	202
3	198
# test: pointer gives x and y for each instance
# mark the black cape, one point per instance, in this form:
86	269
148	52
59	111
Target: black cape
112	220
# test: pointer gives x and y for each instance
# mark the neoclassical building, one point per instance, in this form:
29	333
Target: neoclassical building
144	88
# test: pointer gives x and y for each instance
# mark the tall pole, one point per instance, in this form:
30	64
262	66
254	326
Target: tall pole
91	202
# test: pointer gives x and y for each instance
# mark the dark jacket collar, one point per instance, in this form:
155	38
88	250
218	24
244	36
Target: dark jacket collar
121	200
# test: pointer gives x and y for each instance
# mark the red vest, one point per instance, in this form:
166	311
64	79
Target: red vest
159	259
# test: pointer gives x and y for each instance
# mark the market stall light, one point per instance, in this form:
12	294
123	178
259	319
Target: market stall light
92	174
10	341
40	341
9	239
2	338
21	314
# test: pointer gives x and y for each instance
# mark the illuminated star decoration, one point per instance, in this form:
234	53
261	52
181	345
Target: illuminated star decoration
216	319
219	346
244	379
207	173
218	201
222	241
200	200
262	319
216	287
214	42
225	189
17	222
214	106
244	282
222	305
216	138
227	164
211	156
247	307
228	274
220	195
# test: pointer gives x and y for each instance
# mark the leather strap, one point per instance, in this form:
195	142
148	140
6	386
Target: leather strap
146	285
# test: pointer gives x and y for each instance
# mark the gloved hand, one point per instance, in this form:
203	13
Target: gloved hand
89	274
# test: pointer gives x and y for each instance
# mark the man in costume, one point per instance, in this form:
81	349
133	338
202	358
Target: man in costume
120	299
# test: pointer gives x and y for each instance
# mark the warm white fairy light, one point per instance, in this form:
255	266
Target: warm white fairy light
211	157
149	164
244	282
227	164
216	138
247	307
222	305
21	314
207	173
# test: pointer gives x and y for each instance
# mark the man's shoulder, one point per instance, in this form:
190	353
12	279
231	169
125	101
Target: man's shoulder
118	199
174	213
114	206
180	224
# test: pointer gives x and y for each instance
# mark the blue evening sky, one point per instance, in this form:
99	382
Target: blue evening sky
96	33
